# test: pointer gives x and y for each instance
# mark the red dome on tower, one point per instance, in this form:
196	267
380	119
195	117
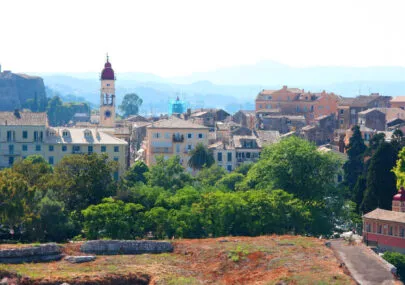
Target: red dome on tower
401	194
108	72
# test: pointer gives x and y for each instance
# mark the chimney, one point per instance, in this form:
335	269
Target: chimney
398	201
284	86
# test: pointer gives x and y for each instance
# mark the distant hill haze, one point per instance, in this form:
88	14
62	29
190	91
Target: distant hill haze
234	88
19	91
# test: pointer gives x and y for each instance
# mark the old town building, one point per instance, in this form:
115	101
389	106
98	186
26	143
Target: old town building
386	229
173	136
27	133
295	101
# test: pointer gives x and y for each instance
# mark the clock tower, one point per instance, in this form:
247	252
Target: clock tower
107	96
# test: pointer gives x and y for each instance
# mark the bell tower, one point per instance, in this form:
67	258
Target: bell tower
107	96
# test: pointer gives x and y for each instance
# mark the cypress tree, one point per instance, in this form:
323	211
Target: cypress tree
381	182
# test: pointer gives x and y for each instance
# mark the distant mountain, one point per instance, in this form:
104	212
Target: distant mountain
233	88
273	73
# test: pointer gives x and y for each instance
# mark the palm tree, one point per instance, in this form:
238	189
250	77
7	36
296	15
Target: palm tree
200	157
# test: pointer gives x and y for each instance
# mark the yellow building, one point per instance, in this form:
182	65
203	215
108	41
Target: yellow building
173	136
27	133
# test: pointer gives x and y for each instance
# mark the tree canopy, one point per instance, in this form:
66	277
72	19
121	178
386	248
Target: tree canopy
130	104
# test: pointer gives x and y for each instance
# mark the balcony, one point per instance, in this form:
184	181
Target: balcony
178	138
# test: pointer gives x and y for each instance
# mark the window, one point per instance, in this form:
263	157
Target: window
11	149
38	147
379	230
115	158
260	106
341	122
229	156
189	147
248	155
51	148
50	160
90	149
103	148
65	133
390	231
177	148
64	148
10	136
200	136
10	160
298	108
190	136
402	232
76	148
25	134
229	167
87	133
116	149
156	135
167	135
116	176
312	108
368	228
24	147
269	97
342	111
219	156
305	108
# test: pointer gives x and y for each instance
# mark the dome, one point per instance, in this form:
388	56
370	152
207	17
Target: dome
108	72
401	195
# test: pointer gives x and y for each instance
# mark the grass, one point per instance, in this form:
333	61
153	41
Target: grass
239	260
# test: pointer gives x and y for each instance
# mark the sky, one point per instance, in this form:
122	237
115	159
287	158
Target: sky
175	38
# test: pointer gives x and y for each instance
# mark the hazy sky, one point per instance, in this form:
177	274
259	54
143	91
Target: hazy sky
171	37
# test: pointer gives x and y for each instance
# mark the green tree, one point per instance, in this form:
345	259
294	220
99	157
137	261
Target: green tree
34	169
208	176
354	165
15	199
296	166
113	219
81	180
168	174
399	169
136	173
229	181
130	104
381	183
200	156
398	260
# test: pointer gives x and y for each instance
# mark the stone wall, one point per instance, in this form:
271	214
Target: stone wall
125	247
41	253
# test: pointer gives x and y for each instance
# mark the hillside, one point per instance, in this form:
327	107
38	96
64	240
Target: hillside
230	260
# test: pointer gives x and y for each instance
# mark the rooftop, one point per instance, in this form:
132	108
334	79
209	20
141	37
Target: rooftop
386	215
175	123
398	99
82	136
20	118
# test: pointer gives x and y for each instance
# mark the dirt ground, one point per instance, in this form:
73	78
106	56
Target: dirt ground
228	260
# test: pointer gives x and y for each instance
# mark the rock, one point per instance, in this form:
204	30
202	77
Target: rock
125	247
41	253
4	281
80	259
65	283
327	244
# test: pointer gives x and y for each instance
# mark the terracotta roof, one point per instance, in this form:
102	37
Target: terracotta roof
398	99
290	117
237	141
392	113
346	101
175	123
23	118
369	111
268	137
385	215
